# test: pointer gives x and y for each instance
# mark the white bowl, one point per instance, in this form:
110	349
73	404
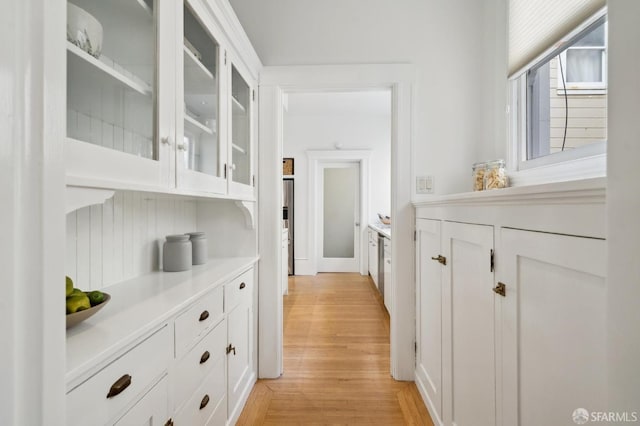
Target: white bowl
84	30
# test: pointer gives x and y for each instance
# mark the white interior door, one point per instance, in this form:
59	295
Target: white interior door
339	217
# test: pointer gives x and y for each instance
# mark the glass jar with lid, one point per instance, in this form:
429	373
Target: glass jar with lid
494	175
478	176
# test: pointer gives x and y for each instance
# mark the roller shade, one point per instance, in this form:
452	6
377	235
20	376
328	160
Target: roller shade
535	25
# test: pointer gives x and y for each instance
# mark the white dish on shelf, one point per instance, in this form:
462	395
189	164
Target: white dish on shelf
84	30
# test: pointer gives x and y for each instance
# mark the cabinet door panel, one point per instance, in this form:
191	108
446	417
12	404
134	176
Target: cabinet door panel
239	360
240	132
201	153
553	326
429	314
468	326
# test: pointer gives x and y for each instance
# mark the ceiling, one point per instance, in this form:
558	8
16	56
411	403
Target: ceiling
311	32
374	103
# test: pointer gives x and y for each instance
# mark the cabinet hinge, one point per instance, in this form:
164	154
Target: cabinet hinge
492	261
225	57
415	235
415	347
253	178
253	95
225	171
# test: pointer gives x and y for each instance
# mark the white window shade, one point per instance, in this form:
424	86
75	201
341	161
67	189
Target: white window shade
535	25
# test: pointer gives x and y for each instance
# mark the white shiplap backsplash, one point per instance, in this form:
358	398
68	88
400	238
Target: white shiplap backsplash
122	238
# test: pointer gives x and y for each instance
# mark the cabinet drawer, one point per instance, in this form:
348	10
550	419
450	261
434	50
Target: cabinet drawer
208	399
110	391
238	290
192	324
151	409
198	362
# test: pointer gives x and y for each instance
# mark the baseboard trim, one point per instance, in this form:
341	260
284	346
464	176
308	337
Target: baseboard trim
427	401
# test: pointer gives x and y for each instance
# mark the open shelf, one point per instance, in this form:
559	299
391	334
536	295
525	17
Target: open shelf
239	148
197	78
93	68
195	126
237	106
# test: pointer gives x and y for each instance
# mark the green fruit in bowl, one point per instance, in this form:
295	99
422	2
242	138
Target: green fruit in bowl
77	303
95	297
76	292
69	283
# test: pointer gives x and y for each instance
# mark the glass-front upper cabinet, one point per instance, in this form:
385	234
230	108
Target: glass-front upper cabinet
240	132
200	156
112	92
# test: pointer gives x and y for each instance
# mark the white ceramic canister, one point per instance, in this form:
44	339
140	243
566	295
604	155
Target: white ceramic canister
176	253
199	247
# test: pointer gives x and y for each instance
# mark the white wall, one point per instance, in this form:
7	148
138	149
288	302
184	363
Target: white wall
122	238
623	206
321	132
457	47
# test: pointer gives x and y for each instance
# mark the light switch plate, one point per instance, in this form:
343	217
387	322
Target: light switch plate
424	184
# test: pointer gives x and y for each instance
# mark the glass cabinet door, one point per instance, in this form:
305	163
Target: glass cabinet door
111	75
240	129
199	150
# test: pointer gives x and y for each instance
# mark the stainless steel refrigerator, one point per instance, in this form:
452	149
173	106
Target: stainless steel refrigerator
288	217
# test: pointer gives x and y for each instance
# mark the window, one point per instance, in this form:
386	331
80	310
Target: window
561	100
584	64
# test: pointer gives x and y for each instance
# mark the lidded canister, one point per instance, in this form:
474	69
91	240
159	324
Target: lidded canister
199	247
176	253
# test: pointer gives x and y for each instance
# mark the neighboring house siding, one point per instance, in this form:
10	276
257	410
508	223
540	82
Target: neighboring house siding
587	116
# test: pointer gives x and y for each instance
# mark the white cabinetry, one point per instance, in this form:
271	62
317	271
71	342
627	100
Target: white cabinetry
151	410
429	311
163	107
553	326
468	325
510	315
373	256
131	376
388	289
240	346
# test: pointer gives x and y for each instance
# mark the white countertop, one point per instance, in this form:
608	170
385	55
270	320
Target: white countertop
138	307
382	229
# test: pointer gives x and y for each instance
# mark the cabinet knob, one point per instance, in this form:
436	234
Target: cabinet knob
205	357
204	315
166	141
120	385
242	285
500	289
204	402
440	258
169	422
182	147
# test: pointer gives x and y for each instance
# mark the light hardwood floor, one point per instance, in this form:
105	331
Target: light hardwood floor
336	361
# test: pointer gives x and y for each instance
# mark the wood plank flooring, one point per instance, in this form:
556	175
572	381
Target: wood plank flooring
336	361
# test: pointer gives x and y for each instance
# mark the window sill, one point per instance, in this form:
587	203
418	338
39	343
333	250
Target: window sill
594	166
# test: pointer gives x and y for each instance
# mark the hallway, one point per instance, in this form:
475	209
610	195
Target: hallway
336	361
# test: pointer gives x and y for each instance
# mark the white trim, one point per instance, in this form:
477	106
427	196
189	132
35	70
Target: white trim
316	160
275	81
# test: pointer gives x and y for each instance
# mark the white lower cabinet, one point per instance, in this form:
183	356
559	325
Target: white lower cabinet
239	348
468	326
553	326
511	323
197	368
373	256
151	410
429	311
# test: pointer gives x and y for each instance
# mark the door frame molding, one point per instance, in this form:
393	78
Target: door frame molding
275	82
318	157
